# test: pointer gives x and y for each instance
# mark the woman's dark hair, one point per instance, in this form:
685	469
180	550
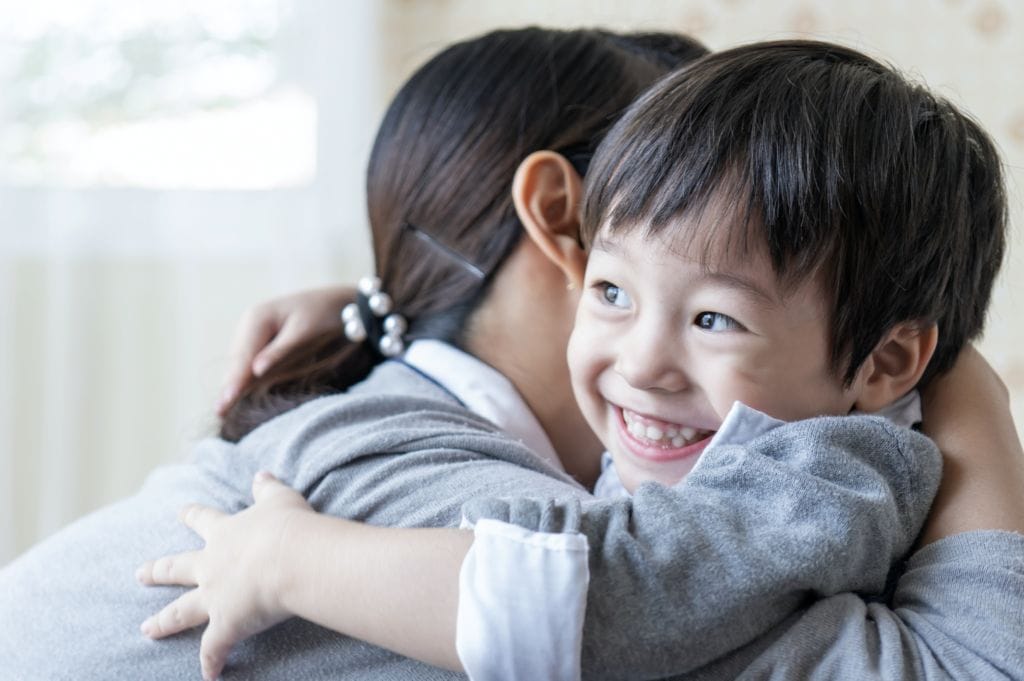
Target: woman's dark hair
440	176
840	166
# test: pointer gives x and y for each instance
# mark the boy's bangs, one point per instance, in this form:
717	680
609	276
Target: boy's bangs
834	164
722	203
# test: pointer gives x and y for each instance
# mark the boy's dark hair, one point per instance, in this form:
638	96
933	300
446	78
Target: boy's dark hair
890	194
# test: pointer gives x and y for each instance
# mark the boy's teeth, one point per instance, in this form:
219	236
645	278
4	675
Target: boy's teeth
669	436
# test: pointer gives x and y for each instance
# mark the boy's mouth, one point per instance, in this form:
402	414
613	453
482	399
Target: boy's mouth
656	433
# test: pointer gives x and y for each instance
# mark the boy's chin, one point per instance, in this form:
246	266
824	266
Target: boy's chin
632	476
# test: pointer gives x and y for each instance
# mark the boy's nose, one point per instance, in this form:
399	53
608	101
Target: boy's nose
651	362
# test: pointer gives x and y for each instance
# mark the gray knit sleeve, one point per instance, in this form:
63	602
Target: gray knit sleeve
681	576
957	613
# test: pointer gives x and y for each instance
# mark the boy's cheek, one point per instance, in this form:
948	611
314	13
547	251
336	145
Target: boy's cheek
585	339
748	382
586	355
578	365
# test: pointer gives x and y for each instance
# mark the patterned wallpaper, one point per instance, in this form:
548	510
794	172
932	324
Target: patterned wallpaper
971	51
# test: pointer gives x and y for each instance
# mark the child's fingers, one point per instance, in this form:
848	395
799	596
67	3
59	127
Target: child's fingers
178	569
257	328
214	647
233	386
238	375
286	338
297	328
199	518
183	613
272	353
264	484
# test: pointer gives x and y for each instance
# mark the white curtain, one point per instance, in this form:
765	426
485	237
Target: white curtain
8	514
116	305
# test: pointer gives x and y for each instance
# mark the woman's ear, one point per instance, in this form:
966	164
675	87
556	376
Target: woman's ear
547	192
896	364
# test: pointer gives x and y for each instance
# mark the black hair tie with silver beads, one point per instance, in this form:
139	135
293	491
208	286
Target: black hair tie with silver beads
371	319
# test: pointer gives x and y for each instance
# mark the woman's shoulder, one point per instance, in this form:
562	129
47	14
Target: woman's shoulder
397	424
395	410
393	390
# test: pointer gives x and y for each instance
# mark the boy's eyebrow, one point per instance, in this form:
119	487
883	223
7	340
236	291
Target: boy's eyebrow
602	243
744	284
611	246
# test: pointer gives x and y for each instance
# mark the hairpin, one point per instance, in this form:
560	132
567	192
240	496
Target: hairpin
464	262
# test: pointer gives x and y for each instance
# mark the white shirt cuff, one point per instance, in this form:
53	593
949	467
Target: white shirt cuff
522	599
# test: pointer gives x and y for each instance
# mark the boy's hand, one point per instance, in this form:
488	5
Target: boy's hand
967	414
236	575
268	331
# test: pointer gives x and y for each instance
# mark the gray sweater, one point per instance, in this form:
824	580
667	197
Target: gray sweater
399	450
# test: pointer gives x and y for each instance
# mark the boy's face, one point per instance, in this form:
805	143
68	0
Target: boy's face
662	347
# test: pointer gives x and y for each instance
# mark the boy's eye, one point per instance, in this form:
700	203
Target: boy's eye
716	321
614	295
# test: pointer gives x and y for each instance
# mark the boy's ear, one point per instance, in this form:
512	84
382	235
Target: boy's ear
896	364
547	192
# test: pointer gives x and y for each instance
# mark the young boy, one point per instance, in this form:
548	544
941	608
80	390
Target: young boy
784	232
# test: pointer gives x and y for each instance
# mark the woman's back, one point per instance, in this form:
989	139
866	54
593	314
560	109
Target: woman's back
398	450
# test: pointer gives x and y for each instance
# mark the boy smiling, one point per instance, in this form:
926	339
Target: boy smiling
790	226
671	332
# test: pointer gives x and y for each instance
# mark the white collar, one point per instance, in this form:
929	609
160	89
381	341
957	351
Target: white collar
744	423
484	391
905	412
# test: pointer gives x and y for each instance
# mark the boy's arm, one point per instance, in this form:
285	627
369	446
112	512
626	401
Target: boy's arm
967	414
270	330
350	576
393	587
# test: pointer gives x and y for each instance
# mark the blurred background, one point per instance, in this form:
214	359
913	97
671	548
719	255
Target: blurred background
165	165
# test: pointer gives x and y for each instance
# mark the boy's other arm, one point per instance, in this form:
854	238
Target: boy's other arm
967	414
270	330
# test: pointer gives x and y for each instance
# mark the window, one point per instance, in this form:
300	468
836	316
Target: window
157	95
